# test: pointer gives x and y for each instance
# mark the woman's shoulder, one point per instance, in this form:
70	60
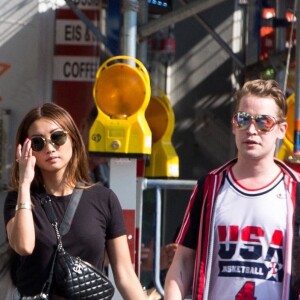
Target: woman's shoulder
96	187
98	191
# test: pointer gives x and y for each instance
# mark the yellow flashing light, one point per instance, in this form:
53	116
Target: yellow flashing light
164	161
122	93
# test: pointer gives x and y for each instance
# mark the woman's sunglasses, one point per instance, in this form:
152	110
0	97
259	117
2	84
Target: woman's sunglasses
263	123
57	138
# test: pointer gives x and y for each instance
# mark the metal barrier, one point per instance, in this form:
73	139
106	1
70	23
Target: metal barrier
158	185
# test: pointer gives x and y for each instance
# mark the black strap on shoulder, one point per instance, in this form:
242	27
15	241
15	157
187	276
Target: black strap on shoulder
69	213
295	278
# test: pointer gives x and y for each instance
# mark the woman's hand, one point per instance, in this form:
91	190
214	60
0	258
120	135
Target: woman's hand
26	162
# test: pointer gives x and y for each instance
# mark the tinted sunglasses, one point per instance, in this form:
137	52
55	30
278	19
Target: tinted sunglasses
57	138
263	123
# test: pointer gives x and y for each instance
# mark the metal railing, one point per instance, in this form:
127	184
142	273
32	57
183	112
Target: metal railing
158	185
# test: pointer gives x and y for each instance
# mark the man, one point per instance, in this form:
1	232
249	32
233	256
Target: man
236	239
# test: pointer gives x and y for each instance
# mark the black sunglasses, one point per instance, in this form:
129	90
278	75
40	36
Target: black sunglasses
263	123
57	138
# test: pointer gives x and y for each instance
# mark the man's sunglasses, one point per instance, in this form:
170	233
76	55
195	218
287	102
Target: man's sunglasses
263	123
57	138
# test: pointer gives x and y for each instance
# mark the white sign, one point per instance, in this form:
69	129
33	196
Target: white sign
75	68
74	32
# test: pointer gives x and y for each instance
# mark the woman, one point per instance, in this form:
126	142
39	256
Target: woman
51	159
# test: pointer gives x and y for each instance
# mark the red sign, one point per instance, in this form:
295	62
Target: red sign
76	60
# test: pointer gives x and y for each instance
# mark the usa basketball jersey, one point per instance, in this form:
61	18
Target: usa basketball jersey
249	241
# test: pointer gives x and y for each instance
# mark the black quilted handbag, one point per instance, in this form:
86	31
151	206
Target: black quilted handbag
75	279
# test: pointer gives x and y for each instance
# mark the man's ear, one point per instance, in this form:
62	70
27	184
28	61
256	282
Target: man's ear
282	129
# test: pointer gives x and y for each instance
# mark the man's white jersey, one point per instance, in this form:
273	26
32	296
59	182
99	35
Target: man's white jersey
249	242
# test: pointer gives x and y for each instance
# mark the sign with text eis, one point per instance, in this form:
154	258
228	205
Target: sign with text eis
76	59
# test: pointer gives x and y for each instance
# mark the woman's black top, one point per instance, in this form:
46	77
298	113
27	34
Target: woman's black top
98	218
